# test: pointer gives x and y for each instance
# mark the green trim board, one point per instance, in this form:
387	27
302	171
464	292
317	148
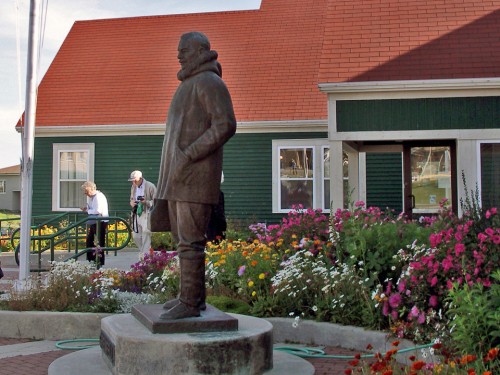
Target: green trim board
418	114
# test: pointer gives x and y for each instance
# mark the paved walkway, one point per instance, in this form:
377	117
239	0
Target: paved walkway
26	357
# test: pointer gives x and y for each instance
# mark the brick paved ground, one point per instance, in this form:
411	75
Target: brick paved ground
38	364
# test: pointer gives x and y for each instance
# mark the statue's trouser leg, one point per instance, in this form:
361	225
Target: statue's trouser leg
189	222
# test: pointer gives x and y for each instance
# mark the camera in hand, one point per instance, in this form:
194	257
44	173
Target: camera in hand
140	198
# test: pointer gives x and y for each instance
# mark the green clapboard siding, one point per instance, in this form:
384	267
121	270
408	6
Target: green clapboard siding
115	158
418	114
247	171
384	180
248	175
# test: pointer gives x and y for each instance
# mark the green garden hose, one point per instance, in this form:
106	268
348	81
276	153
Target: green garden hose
303	352
62	344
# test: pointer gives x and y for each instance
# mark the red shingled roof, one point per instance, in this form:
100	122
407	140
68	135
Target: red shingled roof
123	71
14	169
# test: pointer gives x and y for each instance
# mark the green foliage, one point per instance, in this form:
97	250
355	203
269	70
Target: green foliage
474	313
229	305
369	239
162	241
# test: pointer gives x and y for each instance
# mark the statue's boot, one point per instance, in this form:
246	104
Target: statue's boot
171	303
192	289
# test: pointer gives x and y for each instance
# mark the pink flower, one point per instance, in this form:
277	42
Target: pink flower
490	231
414	311
447	263
459	249
433	301
434	281
402	286
395	300
421	318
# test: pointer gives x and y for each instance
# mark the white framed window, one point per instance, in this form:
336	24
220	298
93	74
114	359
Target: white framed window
489	170
301	174
72	165
2	187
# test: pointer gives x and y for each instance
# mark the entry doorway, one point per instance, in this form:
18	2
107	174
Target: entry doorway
430	175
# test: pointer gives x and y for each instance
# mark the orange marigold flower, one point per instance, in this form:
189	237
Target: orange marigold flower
487	373
395	343
254	263
471	371
468	358
492	354
417	365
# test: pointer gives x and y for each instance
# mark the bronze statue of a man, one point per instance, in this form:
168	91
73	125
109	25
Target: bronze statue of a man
200	121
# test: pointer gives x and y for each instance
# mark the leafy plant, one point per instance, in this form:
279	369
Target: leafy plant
474	313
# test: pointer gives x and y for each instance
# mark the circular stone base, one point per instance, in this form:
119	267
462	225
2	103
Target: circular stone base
90	362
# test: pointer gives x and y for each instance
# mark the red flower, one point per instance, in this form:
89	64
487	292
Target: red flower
354	362
417	365
369	347
348	371
395	343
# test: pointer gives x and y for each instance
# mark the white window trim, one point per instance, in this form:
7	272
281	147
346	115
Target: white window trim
2	182
57	148
317	145
478	169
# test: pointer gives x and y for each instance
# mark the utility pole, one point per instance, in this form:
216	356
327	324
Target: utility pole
28	139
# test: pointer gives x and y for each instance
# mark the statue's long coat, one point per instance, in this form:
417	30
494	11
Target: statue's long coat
200	120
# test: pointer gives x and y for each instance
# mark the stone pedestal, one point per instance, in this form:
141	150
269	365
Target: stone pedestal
130	348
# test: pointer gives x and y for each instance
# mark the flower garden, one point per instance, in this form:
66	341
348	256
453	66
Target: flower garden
436	280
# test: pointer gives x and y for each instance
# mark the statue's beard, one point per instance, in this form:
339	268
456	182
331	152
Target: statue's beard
190	67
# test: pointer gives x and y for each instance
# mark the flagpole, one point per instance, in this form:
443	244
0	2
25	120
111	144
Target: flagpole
28	140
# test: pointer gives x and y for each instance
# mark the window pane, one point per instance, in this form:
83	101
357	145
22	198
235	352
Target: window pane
72	173
296	163
71	194
2	187
490	175
326	162
431	176
294	193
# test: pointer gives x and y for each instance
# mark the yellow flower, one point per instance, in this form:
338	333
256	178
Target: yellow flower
294	236
250	284
262	276
254	293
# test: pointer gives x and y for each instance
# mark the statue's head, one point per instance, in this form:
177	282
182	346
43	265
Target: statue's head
194	50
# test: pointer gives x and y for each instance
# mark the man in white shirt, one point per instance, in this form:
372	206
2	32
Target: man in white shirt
97	205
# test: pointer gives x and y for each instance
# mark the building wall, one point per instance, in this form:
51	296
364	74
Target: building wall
247	171
11	199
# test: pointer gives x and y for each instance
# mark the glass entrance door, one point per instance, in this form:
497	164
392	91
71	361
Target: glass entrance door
430	177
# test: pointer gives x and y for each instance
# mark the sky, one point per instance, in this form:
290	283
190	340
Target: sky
60	16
